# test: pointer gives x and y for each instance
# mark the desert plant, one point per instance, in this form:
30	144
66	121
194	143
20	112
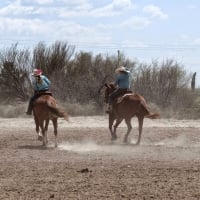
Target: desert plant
14	73
160	83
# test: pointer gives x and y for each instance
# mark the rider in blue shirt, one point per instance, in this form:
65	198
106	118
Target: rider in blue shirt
122	82
40	85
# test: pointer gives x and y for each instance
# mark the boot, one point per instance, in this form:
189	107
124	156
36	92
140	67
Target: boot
109	109
29	111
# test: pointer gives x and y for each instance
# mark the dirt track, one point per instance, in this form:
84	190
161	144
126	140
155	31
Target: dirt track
86	165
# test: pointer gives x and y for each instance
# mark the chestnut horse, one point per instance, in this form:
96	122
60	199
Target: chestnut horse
44	110
129	105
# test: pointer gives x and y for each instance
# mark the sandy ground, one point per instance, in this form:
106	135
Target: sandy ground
87	165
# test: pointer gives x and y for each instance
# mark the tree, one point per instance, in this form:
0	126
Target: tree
14	73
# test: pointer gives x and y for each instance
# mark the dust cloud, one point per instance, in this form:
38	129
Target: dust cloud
179	148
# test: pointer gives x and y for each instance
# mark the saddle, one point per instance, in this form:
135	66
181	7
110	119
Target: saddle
43	92
120	98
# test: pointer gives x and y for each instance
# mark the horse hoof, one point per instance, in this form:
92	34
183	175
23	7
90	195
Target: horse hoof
113	138
125	140
40	138
44	145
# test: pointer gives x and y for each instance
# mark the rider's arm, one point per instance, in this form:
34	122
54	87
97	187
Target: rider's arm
47	81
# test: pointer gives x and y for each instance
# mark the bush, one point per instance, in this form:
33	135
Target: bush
78	80
77	109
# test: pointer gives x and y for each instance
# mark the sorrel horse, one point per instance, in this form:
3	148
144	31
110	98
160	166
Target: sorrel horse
44	110
130	105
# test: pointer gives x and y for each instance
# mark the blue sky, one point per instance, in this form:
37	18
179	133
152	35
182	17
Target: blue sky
145	30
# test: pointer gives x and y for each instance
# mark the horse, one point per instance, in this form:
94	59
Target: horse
44	110
126	107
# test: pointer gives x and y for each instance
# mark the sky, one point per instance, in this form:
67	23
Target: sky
145	30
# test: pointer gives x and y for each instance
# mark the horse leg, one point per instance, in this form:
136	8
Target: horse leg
55	125
46	124
140	121
128	123
37	128
46	129
111	120
118	121
44	137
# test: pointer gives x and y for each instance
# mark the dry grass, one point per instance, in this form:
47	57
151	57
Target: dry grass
189	111
13	110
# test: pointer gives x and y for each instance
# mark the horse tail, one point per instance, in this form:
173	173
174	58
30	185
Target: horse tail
148	114
57	112
153	116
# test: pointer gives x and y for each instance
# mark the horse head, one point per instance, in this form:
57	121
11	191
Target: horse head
109	88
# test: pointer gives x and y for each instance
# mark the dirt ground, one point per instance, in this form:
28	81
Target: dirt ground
87	165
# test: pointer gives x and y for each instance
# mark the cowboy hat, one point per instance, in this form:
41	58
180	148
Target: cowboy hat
36	72
122	69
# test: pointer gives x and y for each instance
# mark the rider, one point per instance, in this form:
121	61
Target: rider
40	84
122	82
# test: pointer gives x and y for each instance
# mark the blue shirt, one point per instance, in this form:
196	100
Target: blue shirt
44	85
123	80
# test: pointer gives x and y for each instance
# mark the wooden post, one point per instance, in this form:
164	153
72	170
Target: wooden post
118	58
193	82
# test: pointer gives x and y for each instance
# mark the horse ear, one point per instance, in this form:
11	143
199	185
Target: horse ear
112	86
106	85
